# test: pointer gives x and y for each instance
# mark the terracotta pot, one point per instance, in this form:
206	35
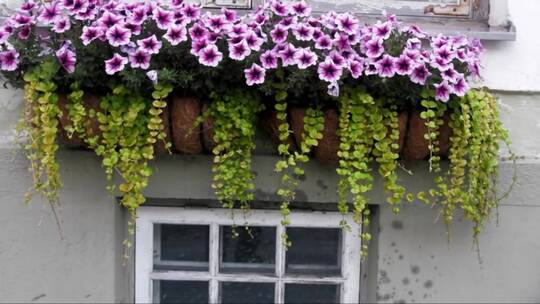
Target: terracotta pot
184	113
91	102
159	146
296	117
270	124
445	132
416	146
208	129
327	150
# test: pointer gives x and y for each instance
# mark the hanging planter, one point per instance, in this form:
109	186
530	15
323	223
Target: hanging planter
133	55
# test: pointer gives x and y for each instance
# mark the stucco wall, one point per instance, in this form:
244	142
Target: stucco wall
410	259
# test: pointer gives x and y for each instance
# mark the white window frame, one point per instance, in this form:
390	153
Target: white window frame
144	246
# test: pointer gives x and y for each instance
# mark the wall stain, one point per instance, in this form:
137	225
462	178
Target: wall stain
384	277
415	269
301	196
321	184
405	281
428	284
38	297
398	225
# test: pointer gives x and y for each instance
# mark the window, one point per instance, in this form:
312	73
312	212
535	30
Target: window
193	255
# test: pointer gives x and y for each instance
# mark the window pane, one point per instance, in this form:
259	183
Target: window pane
236	292
186	292
251	250
182	247
311	293
314	251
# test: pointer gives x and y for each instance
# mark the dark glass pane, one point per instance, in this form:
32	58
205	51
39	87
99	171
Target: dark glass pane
185	292
311	293
183	247
236	292
314	251
250	250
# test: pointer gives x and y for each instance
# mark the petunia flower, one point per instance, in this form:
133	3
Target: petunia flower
328	71
109	20
253	41
382	30
9	60
269	60
198	32
20	20
333	89
163	18
404	65
151	44
347	23
140	59
302	32
450	74
371	67
210	55
239	51
87	14
342	41
4	35
419	74
67	59
323	43
386	66
118	35
138	15
230	15
129	48
115	64
300	8
279	8
279	34
288	22
50	13
374	48
197	46
461	87
356	67
90	33
134	28
443	91
28	6
414	44
305	58
191	11
216	23
176	34
153	76
24	33
80	6
62	24
288	54
337	59
254	75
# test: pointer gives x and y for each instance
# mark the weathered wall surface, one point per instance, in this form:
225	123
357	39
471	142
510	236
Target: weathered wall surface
411	260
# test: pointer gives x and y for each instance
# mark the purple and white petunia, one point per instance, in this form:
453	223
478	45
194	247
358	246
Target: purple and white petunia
305	58
239	51
382	30
210	55
420	74
151	44
176	34
62	24
461	87
288	55
253	41
118	35
374	48
301	9
386	67
115	64
254	75
443	91
9	60
24	33
279	34
356	67
67	58
323	43
198	32
153	76
328	71
140	59
404	65
347	23
269	60
303	32
90	33
163	18
50	13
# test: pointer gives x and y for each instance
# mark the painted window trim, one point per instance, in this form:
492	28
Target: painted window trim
144	234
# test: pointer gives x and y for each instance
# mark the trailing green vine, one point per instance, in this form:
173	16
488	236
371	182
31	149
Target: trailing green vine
433	113
289	164
41	128
234	115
